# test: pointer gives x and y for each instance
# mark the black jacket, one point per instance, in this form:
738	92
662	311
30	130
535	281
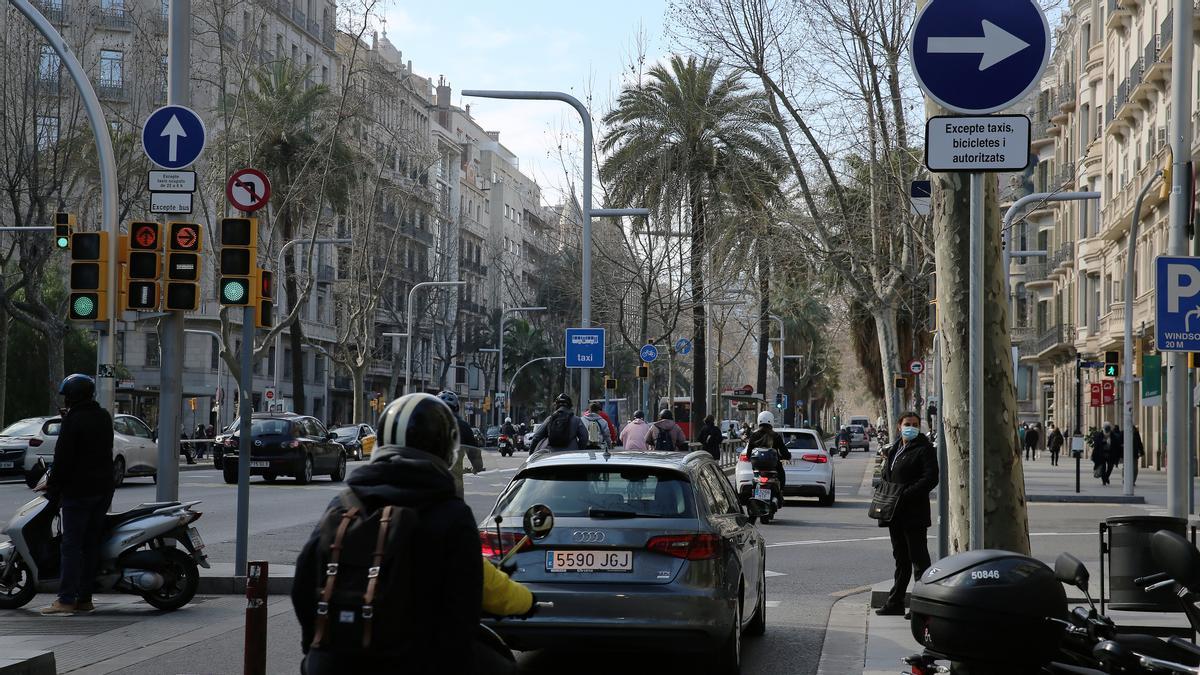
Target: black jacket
83	454
916	468
710	438
765	437
448	566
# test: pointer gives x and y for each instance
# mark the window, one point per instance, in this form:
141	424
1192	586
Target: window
721	504
137	427
47	131
572	491
48	65
112	68
152	355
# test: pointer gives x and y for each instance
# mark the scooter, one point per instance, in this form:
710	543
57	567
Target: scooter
843	448
504	444
138	551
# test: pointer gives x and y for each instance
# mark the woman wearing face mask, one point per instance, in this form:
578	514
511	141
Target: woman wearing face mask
912	463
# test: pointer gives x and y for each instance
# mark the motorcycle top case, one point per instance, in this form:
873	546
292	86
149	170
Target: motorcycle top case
764	458
989	607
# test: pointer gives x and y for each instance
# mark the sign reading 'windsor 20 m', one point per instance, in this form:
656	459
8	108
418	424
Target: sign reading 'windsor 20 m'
976	57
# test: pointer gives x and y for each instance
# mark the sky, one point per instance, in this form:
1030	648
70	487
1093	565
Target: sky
576	47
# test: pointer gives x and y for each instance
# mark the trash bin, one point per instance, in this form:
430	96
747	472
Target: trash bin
1129	558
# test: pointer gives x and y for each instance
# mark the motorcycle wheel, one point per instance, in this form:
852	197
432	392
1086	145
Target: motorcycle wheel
181	578
18	589
766	519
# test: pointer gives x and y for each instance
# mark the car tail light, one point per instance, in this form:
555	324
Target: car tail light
193	516
743	457
764	479
292	444
815	458
489	546
686	546
35	442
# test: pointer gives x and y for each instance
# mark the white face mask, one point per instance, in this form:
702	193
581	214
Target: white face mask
909	433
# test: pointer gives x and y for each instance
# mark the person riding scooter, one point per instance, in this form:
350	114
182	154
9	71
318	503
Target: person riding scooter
765	437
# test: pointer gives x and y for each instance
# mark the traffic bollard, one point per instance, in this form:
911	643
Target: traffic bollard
255	655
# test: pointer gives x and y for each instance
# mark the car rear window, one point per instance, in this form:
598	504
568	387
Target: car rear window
800	441
857	429
269	427
28	427
611	492
346	432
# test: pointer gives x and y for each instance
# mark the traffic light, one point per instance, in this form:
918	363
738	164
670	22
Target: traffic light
779	401
1112	360
265	281
183	267
141	253
901	382
239	252
610	383
643	372
89	276
64	225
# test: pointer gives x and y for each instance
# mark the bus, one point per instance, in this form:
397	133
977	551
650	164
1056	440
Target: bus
681	407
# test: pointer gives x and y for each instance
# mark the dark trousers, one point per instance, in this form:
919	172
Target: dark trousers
912	558
82	529
1107	471
1054	457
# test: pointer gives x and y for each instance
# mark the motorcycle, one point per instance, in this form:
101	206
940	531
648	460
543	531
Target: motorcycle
504	444
764	495
537	523
138	551
843	447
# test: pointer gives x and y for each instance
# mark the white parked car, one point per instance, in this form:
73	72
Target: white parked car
809	473
22	440
135	452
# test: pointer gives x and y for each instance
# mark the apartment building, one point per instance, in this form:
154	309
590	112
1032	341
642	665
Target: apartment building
1099	124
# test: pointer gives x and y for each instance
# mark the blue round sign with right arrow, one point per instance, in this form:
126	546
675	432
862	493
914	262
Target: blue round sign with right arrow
979	56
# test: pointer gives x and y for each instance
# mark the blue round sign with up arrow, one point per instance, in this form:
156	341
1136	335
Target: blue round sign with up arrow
173	136
980	56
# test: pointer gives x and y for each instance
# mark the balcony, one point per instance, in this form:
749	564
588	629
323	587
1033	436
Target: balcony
1062	259
1066	175
1021	335
55	11
1039	134
1066	97
329	36
1055	339
1118	15
114	17
112	90
1112	325
1037	274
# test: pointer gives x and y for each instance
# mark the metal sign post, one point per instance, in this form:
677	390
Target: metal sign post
976	57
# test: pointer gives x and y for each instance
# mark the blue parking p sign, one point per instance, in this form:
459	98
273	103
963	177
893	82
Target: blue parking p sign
585	348
1177	320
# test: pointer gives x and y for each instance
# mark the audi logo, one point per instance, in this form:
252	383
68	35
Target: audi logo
587	536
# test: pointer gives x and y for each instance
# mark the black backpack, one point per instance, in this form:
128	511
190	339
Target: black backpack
663	442
364	560
558	429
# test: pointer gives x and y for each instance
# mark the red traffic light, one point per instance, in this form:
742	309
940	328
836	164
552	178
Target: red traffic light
266	284
185	237
143	236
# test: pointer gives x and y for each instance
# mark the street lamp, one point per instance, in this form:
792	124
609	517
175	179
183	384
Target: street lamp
587	211
279	269
500	348
409	325
217	336
782	343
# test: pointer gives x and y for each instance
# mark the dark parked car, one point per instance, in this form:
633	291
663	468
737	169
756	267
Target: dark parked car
648	550
284	444
493	437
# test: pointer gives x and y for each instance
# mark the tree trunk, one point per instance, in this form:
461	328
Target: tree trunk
295	336
56	357
764	322
5	325
358	376
1006	522
889	358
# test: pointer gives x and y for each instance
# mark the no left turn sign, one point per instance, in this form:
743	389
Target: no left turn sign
248	189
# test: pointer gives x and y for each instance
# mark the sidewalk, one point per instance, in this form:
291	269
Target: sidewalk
1045	483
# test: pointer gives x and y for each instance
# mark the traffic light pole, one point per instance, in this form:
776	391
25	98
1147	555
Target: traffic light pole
170	399
246	412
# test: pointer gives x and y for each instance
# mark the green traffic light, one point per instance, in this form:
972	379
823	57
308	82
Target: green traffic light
233	291
62	242
84	306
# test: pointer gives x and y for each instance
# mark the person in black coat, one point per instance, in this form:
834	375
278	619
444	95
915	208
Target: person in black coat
81	480
710	437
911	462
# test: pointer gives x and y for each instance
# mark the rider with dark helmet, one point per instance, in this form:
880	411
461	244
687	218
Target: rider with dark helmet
82	479
562	430
434	633
466	437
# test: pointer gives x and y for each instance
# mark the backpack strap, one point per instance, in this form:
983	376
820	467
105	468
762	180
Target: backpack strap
331	571
368	608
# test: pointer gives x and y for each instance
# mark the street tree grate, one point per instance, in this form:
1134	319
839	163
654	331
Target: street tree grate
35	624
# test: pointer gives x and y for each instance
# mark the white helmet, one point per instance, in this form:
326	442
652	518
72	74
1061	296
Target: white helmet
766	417
508	420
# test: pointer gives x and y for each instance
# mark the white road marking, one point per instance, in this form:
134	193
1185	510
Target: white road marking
771	604
775	574
813	542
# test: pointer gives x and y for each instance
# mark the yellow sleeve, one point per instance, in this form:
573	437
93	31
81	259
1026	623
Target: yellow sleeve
503	596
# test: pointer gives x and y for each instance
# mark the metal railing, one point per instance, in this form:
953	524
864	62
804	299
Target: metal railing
1066	174
1063	254
1035	272
1052	337
54	10
112	90
1040	129
114	17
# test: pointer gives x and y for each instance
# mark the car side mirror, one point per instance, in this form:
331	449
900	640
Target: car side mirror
757	508
1069	570
538	522
154	435
34	476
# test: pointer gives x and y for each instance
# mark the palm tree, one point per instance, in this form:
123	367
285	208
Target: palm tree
693	142
292	135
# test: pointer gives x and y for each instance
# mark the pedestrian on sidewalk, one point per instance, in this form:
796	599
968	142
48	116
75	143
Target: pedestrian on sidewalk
710	437
1054	443
1099	444
82	484
1021	430
1031	442
912	463
1139	451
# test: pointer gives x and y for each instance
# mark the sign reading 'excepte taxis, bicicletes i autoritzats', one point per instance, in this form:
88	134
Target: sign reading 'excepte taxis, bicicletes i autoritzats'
986	143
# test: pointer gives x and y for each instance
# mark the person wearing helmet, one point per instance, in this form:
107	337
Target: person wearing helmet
665	435
766	437
466	435
82	482
562	430
427	621
509	429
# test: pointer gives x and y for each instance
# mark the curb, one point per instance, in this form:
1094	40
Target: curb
28	662
1086	499
226	585
844	651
